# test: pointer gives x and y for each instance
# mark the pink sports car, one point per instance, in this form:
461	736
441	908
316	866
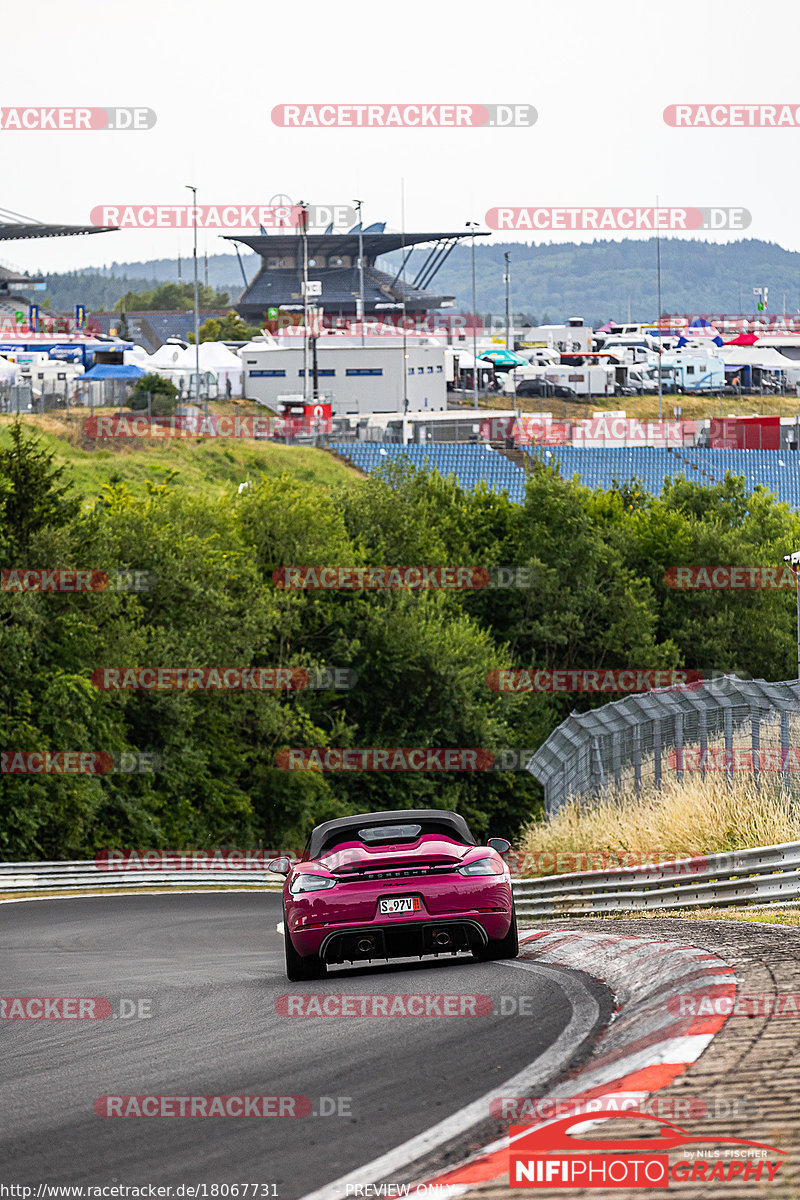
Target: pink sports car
395	885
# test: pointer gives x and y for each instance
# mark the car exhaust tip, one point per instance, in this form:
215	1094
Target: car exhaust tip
365	945
442	938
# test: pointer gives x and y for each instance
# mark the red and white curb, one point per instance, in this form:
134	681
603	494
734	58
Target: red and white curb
642	1051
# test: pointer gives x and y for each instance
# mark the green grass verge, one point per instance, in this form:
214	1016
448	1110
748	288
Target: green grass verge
206	467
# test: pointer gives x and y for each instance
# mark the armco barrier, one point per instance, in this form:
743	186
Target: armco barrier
87	876
766	875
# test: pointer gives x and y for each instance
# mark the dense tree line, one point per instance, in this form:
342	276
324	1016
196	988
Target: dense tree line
597	599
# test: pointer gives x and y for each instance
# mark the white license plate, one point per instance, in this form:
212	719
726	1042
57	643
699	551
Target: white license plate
400	904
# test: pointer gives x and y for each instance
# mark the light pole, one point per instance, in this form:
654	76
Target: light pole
304	232
193	190
660	339
507	282
473	225
360	266
405	334
509	347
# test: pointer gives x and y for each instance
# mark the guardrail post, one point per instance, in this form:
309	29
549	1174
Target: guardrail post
596	769
679	746
657	751
755	742
727	725
637	758
786	780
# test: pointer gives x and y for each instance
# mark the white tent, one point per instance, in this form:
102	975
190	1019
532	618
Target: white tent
179	364
222	362
755	356
168	355
138	357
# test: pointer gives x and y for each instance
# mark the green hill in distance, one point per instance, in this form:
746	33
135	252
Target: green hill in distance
598	280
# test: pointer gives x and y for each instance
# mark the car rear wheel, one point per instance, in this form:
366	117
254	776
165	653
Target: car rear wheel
299	968
507	947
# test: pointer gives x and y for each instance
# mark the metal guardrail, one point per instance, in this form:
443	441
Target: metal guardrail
766	874
87	876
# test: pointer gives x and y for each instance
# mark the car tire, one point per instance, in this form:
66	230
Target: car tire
507	947
299	968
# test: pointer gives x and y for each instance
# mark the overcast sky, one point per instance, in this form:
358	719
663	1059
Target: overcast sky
598	75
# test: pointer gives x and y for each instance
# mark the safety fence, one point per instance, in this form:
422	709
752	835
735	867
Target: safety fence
724	726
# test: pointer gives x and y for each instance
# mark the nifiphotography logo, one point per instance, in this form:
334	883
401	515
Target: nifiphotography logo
551	1158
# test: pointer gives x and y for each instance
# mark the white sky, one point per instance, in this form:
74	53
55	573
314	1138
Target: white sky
599	75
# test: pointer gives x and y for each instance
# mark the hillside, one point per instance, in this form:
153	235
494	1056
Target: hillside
207	468
596	280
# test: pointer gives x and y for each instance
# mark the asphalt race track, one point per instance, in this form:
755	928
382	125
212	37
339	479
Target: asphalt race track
211	967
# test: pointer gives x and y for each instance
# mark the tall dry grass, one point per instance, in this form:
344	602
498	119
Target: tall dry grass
679	820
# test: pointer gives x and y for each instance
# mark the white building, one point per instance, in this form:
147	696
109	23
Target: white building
378	377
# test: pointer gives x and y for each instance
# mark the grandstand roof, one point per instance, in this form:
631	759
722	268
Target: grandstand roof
15	226
18	278
343	243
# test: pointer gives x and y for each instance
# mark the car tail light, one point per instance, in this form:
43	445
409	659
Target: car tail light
311	883
482	866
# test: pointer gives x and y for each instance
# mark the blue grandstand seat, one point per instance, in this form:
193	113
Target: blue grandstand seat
595	467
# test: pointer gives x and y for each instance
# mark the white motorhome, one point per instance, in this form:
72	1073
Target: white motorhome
583	380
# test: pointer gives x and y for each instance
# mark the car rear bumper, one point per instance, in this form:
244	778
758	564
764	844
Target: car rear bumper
340	942
401	940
